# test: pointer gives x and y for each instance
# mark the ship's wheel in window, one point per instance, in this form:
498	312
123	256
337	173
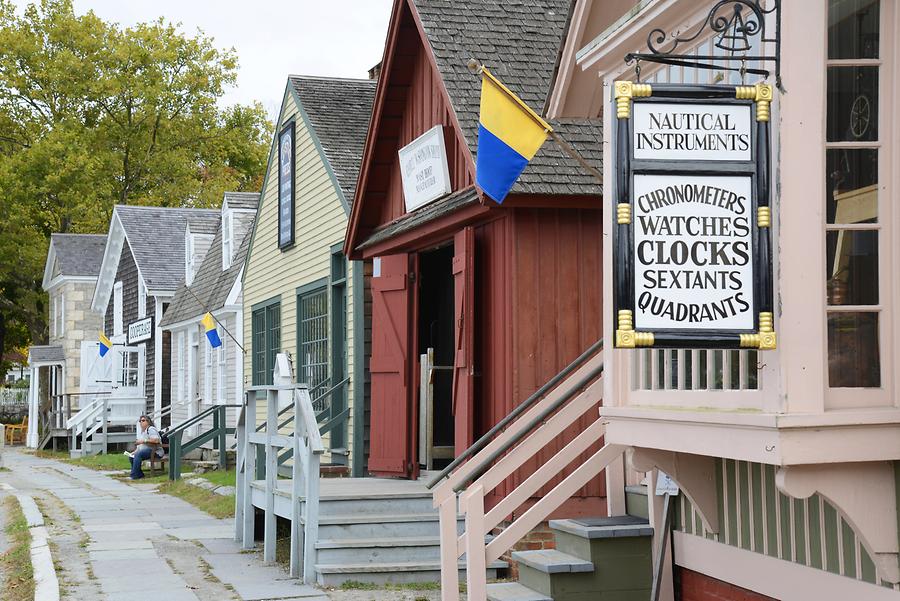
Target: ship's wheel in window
860	116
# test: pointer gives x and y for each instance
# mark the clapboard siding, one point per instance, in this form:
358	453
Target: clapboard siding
320	223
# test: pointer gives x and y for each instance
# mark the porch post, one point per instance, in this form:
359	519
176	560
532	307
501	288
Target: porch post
33	409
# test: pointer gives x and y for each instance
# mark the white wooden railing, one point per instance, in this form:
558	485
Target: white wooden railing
306	442
98	415
573	398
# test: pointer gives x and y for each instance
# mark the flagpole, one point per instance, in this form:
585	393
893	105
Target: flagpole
479	69
205	308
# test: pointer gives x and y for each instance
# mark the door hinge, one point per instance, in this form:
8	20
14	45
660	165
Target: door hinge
412	276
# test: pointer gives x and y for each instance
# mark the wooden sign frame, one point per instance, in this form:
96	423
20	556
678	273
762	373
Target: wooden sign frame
630	334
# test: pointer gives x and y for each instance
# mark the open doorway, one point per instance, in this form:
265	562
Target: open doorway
435	334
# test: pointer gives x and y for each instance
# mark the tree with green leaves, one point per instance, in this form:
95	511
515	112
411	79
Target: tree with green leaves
93	115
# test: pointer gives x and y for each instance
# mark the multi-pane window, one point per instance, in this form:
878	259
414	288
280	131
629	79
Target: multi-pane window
118	328
266	341
227	239
854	238
142	298
179	353
312	342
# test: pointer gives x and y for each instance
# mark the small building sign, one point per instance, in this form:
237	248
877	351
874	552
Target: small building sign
423	168
140	330
693	262
286	179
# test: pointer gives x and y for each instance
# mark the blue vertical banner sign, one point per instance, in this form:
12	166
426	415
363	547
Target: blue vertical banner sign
286	169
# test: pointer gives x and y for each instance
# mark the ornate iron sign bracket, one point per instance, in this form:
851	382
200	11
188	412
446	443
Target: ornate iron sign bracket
733	24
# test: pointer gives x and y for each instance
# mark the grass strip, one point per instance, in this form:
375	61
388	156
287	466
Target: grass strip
16	562
218	506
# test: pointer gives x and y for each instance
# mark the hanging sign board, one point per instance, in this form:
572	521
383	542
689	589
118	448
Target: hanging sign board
140	330
693	265
423	168
286	168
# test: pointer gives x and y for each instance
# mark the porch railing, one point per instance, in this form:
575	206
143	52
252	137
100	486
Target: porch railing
305	444
88	421
566	398
178	447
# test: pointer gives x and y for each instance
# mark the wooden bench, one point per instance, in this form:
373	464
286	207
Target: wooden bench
14	431
158	463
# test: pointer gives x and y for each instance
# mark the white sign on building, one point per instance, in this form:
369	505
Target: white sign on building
692	132
423	167
140	330
693	252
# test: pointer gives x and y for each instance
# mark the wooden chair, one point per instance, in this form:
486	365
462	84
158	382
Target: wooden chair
14	431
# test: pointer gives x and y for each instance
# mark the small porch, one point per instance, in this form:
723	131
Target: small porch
48	375
375	530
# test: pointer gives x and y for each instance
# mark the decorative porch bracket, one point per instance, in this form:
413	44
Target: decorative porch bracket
865	494
695	475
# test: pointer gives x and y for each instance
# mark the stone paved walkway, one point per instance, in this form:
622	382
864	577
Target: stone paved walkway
116	541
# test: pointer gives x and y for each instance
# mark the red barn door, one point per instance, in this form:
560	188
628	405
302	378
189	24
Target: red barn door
463	364
391	428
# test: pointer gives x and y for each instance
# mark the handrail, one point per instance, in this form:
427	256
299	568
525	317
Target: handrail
65	394
331	390
305	443
573	400
512	415
196	419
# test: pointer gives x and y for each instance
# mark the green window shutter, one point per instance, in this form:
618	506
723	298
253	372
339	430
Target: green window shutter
273	338
258	352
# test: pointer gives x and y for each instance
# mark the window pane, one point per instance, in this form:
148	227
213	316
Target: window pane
853	355
853	29
852	185
852	104
852	267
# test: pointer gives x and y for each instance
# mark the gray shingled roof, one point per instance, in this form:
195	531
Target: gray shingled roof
446	205
211	285
46	354
156	237
339	111
78	254
518	40
242	200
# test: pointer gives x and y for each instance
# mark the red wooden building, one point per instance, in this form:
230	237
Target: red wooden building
506	294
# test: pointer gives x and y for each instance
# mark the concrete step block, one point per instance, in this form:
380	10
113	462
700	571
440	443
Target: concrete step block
513	591
551	561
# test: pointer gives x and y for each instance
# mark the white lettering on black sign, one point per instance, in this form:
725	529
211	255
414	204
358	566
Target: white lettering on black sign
692	132
693	250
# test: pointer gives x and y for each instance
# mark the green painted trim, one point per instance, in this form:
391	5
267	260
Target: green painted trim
315	138
730	475
314	286
815	532
357	458
688	515
262	191
720	499
849	541
759	534
867	565
770	500
833	564
743	473
266	303
799	531
787	550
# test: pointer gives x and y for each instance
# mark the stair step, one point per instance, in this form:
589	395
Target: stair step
611	527
390	572
379	519
551	561
359	543
513	591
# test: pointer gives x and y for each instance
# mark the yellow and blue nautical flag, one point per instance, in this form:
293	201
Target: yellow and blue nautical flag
212	334
509	135
105	344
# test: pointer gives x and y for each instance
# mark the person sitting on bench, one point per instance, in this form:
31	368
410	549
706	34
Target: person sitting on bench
146	443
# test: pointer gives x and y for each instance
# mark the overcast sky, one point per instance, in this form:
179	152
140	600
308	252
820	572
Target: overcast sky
273	38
